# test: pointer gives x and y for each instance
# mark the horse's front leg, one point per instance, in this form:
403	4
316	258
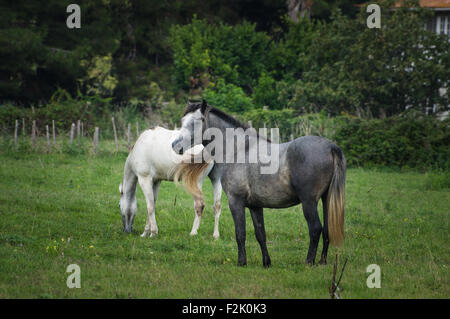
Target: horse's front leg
238	212
148	186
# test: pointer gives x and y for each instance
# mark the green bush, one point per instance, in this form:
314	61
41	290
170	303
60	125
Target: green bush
228	97
265	93
411	139
9	113
205	52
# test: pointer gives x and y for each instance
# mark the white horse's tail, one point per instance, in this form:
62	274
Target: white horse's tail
189	172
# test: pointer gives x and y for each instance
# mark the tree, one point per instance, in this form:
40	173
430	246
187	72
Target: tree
376	71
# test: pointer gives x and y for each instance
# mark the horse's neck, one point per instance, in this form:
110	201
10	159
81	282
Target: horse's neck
221	124
129	181
265	153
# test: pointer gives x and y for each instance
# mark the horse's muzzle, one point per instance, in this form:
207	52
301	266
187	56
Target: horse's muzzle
176	146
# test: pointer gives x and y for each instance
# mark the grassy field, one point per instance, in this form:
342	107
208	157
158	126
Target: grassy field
393	219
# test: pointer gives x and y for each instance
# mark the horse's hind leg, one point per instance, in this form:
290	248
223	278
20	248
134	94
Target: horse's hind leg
238	212
148	187
217	209
199	205
326	239
315	228
260	233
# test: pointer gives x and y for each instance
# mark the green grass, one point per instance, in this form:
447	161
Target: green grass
393	219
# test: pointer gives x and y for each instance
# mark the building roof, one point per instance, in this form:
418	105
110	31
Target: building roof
429	3
432	4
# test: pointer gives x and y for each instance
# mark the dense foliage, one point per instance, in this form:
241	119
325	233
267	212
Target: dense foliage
410	139
141	60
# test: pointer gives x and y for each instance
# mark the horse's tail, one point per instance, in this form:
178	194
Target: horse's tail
189	173
336	198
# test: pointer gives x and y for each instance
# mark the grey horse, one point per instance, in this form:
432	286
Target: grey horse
310	168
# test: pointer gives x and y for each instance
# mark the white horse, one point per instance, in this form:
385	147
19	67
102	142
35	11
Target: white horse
152	160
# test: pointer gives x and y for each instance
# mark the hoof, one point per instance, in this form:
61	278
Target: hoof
144	234
310	263
216	236
193	233
153	234
242	263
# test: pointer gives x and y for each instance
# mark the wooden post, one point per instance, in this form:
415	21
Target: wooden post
96	140
72	133
54	135
137	130
129	135
23	127
115	134
48	138
82	129
33	134
79	131
15	133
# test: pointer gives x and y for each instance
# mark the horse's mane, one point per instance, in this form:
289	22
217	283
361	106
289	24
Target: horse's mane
192	107
224	116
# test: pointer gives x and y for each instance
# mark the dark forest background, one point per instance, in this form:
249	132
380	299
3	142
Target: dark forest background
303	66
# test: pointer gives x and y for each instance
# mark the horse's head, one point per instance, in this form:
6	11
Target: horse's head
128	209
192	127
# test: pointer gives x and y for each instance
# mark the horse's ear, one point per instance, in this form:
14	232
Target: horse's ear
120	189
204	106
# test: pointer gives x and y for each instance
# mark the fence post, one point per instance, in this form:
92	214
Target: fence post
33	134
54	135
15	133
23	126
72	133
48	138
79	131
250	123
137	130
115	134
96	140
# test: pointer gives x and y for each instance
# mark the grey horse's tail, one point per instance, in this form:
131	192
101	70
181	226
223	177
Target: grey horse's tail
336	198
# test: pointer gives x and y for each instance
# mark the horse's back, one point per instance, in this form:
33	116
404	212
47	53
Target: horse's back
152	153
